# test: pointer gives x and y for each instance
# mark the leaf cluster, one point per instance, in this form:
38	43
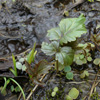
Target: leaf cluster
82	55
84	74
67	31
54	91
73	94
69	74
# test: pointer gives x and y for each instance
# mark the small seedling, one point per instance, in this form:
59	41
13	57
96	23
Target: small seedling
29	58
73	94
83	55
7	81
84	74
16	89
54	91
69	29
69	74
5	85
14	71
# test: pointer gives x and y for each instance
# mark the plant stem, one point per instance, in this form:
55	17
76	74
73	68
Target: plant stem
5	85
57	65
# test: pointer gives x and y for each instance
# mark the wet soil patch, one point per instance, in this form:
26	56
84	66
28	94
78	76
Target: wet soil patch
22	23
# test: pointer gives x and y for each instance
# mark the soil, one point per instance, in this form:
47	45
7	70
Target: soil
24	22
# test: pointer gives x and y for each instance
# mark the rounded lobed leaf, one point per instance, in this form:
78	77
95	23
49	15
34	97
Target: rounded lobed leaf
18	65
82	75
50	49
21	60
53	94
55	89
89	58
96	61
67	69
69	29
85	73
69	75
73	93
81	56
68	97
24	68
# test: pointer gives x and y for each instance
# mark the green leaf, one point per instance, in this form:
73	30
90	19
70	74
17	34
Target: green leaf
21	60
55	89
17	89
81	56
66	13
31	55
67	69
73	93
65	56
7	81
89	58
14	62
69	29
13	0
69	75
18	65
96	61
12	88
68	97
85	73
60	66
18	86
24	68
87	46
53	94
50	49
80	62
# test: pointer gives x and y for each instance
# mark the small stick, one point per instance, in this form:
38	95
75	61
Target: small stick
92	88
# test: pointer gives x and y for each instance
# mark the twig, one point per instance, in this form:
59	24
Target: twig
74	5
92	88
35	88
74	82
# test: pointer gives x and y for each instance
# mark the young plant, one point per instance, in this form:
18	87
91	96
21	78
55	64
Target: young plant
7	81
19	87
20	63
16	89
69	74
83	55
73	94
5	85
69	29
84	74
54	91
14	71
41	68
